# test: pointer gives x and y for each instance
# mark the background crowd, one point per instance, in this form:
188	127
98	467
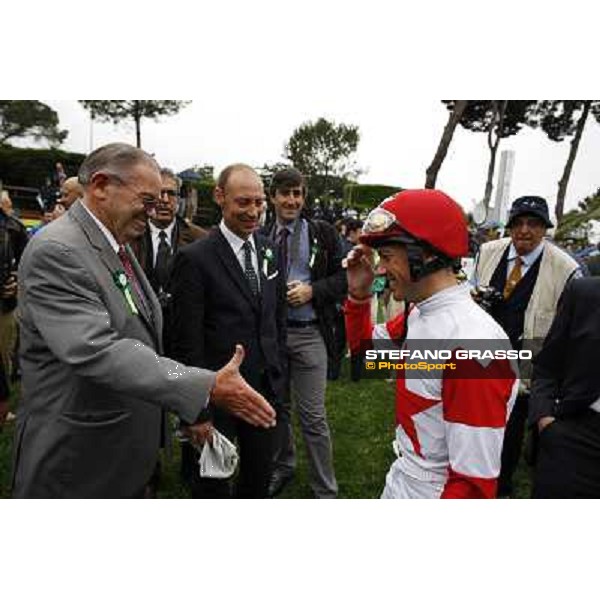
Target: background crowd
292	324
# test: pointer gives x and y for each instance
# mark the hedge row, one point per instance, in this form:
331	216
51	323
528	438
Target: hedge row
367	195
30	167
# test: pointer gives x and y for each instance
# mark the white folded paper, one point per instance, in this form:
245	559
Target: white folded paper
218	458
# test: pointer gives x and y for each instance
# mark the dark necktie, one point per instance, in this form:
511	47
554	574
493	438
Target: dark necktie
283	250
249	269
126	262
163	254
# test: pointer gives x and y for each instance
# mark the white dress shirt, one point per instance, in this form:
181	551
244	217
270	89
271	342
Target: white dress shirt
527	259
236	244
109	236
155	236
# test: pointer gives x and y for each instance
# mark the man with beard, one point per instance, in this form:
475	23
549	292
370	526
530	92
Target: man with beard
94	383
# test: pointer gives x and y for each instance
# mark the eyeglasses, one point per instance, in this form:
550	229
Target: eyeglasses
379	220
296	193
169	193
148	200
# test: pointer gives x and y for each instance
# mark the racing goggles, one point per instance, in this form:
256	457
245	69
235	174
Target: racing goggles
379	220
381	226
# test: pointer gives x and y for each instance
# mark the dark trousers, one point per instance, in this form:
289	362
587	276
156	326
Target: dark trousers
255	446
356	365
334	363
513	444
568	461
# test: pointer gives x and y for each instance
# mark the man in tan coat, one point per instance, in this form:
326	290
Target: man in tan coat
530	273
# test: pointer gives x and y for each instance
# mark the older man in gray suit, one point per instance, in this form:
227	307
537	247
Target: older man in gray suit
94	383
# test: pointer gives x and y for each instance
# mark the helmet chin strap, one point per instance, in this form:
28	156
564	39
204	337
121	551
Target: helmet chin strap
420	268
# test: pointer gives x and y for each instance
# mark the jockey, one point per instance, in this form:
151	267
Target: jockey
450	423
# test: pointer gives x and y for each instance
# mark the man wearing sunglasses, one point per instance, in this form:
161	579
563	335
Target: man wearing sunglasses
450	424
94	382
311	262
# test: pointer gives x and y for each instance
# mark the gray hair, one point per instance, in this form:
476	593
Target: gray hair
170	174
115	159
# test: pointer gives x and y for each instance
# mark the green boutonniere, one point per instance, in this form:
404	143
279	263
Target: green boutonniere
267	260
122	282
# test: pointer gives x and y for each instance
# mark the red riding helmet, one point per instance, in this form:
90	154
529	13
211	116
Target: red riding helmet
427	216
420	219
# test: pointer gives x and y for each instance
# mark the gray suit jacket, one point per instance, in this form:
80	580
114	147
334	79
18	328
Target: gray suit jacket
93	385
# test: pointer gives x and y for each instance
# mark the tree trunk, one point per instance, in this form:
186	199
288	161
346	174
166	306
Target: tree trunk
137	117
496	123
433	169
564	180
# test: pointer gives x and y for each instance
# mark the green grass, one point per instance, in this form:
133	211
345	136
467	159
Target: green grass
361	417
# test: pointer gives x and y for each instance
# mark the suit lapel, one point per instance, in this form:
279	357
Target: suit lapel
233	267
148	267
149	307
260	255
112	262
182	235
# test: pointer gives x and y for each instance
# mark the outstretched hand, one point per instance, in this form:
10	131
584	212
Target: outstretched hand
360	271
233	394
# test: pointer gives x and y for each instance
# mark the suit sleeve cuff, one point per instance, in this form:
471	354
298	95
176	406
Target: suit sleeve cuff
541	407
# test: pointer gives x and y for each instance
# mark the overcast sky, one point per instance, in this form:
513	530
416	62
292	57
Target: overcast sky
256	70
397	141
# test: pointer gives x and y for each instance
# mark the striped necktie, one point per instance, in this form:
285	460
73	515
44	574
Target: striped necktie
137	288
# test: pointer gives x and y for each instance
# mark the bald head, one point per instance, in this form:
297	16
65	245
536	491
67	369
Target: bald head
232	170
240	194
70	191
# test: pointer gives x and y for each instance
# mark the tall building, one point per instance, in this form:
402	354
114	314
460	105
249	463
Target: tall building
502	200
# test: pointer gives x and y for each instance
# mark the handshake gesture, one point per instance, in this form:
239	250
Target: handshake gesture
232	393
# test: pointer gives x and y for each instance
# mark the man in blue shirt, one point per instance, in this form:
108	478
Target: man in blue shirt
311	261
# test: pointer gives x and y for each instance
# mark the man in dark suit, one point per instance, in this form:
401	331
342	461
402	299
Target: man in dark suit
94	383
165	234
227	290
564	408
316	282
155	250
